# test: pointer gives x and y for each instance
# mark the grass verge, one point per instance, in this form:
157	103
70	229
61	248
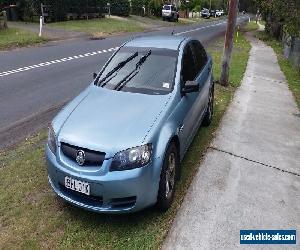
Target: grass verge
32	217
251	26
100	26
291	73
104	26
13	37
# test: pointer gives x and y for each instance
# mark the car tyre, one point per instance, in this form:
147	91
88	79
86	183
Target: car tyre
210	109
172	18
168	178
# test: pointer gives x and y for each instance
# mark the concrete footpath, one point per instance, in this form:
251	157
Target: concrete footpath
250	177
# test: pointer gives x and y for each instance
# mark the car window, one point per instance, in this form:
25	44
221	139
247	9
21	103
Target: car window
188	72
166	7
200	56
155	76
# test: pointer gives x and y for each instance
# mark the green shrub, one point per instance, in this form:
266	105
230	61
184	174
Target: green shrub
155	8
152	7
137	7
120	7
58	9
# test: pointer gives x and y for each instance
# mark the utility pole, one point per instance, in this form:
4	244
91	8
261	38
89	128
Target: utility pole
232	16
87	9
186	8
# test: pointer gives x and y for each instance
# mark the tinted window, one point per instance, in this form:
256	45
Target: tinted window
200	56
188	66
167	7
155	76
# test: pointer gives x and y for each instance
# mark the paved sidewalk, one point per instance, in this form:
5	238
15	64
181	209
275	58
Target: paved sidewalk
250	177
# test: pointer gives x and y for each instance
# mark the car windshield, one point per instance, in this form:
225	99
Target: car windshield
167	7
155	75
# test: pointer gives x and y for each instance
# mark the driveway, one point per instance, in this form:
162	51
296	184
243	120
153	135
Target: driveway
250	177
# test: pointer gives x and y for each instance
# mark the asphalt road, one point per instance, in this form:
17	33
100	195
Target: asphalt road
35	82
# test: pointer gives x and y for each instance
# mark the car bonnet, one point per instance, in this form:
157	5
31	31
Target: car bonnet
111	121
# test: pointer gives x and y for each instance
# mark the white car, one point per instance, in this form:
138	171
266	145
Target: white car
219	13
170	13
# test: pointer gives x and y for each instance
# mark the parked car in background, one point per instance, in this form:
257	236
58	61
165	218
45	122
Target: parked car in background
219	13
205	13
170	13
117	147
212	13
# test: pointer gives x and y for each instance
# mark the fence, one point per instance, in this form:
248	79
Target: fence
3	20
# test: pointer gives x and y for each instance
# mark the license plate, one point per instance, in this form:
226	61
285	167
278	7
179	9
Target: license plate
77	185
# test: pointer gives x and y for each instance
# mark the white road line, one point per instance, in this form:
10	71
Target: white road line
205	27
2	74
201	28
14	71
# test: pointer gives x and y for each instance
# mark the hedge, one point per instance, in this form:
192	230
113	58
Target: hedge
58	9
120	7
137	7
152	7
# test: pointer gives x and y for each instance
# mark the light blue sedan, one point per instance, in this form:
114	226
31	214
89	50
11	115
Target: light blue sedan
117	147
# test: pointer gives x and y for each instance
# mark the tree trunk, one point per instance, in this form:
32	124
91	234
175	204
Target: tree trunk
232	16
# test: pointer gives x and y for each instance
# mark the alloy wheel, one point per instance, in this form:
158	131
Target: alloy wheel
170	174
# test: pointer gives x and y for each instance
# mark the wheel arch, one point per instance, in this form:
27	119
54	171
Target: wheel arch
164	144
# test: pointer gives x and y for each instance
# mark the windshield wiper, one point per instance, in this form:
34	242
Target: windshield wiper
133	73
117	68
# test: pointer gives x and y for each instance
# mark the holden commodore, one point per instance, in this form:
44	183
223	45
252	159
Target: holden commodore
117	147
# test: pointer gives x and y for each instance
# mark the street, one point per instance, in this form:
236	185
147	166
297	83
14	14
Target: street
35	82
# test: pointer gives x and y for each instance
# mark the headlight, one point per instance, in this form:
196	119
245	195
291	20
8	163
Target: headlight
52	140
132	158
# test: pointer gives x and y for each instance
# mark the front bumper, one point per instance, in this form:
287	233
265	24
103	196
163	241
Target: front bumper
111	192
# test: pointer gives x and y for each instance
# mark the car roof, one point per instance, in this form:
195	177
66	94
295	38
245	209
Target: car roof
160	42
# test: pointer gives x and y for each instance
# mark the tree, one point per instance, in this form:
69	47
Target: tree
232	16
281	16
120	7
152	7
248	6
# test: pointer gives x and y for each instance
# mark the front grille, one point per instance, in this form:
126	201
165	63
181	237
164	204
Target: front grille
96	201
92	158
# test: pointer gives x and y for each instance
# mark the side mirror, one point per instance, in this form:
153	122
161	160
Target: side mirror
190	86
95	75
